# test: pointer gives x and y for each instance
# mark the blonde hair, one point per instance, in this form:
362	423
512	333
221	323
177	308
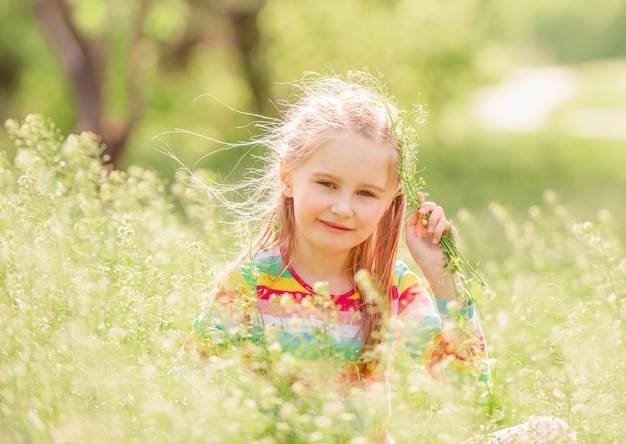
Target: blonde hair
326	105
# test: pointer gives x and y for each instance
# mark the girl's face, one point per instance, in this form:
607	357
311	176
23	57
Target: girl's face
339	194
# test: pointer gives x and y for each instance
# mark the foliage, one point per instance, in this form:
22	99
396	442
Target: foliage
163	54
566	31
100	280
516	170
91	263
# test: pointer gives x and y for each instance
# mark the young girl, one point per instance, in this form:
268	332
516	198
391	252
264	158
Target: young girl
322	281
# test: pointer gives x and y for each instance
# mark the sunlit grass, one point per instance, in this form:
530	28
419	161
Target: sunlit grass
100	279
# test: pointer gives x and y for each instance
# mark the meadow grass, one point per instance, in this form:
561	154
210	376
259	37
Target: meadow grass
101	276
518	171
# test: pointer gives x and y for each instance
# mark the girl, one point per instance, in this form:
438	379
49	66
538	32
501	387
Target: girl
321	281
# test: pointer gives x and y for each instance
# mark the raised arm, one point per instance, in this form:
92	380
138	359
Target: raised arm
456	345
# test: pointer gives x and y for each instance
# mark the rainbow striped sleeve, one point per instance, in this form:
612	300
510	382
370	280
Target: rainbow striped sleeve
451	347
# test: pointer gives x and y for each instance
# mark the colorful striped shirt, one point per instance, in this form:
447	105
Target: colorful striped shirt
266	302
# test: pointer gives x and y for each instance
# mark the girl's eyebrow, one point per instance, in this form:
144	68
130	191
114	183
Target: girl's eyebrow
338	179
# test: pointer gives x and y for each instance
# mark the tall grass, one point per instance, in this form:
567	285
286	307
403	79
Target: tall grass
101	276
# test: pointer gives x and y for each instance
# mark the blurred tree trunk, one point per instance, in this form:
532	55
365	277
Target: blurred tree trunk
85	59
247	36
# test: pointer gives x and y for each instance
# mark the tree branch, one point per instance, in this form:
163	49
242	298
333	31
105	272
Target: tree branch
81	60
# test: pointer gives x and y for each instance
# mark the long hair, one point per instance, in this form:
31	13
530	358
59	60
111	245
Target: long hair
328	105
325	106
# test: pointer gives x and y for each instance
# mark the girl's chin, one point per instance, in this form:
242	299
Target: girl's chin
336	248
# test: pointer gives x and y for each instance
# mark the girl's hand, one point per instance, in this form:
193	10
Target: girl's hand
424	229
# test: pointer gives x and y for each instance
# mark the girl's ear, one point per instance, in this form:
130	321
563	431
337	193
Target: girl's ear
285	183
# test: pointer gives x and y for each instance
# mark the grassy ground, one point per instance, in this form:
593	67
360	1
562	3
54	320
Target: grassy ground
101	278
102	274
521	171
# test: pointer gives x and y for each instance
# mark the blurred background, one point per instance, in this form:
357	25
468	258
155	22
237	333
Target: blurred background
527	100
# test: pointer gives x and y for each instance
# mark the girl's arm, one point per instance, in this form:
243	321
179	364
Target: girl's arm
450	344
456	344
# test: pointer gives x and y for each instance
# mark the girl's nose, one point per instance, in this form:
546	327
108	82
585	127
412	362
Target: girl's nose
342	207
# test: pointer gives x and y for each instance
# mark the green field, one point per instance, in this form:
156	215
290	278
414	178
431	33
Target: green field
103	272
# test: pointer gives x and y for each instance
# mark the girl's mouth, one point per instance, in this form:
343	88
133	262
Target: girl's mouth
334	227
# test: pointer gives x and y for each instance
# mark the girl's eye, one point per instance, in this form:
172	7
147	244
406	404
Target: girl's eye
365	193
326	184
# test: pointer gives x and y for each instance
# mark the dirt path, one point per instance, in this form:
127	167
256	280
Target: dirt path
525	101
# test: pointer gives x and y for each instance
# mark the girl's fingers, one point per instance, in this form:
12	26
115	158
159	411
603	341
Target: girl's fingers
424	213
433	218
426	207
442	226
